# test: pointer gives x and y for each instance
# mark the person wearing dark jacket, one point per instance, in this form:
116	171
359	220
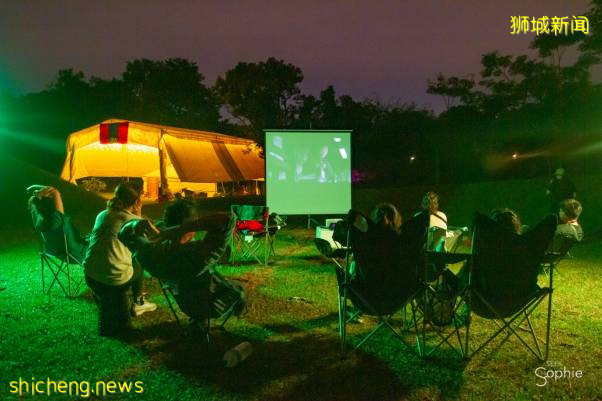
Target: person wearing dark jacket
560	188
174	256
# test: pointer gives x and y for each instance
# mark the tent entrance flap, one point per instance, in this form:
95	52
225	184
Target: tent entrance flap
115	160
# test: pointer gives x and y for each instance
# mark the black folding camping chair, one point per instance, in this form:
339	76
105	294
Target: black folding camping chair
60	265
377	284
502	283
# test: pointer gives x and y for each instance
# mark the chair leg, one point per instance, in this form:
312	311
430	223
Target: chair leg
508	325
532	331
42	264
343	321
68	269
58	269
173	311
266	249
549	320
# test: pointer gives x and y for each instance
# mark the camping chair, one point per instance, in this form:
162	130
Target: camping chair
60	267
226	299
332	249
502	282
440	306
253	236
382	303
561	246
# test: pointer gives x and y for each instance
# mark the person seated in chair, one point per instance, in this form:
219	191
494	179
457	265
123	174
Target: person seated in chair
437	233
430	204
49	218
508	219
380	280
568	226
173	256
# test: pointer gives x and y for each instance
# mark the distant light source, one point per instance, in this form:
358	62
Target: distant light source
515	155
412	158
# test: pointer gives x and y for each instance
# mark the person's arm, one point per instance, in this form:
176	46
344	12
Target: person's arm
137	234
55	195
206	223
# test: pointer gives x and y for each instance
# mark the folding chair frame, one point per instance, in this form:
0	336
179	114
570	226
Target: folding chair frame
384	320
427	292
59	266
223	319
552	259
507	324
443	333
243	249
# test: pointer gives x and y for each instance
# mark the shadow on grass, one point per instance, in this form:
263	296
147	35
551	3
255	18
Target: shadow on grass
305	325
300	367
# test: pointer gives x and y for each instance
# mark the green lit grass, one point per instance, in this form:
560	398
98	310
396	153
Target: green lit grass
291	322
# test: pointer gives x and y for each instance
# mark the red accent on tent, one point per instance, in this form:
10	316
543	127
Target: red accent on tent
108	131
122	133
104	133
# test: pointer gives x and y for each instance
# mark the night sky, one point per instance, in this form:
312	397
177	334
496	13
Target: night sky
379	49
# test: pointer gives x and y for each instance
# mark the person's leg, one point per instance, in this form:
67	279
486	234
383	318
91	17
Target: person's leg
120	304
113	303
138	304
137	281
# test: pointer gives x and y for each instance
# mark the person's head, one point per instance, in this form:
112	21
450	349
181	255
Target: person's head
386	215
430	202
177	213
43	205
508	219
559	173
570	209
126	197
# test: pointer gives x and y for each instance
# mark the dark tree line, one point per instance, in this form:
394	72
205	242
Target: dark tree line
535	107
545	109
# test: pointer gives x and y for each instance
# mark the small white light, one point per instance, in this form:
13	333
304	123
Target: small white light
337	139
277	156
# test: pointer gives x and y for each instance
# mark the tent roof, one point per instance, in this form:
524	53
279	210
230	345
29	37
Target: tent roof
196	156
151	134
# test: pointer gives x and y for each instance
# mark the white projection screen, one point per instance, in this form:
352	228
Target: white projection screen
308	172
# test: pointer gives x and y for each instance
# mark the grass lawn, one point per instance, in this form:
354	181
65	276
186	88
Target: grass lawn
292	324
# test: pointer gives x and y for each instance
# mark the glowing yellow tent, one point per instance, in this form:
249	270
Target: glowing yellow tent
174	157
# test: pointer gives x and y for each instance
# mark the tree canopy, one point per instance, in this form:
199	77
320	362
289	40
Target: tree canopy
516	103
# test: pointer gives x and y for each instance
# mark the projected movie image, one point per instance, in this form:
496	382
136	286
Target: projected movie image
308	172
